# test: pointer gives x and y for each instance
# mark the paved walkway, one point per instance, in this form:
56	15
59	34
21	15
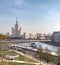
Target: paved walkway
37	62
17	61
28	56
31	57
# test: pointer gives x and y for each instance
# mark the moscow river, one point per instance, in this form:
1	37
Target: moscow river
44	45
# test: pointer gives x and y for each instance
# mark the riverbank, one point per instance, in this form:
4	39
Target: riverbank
51	43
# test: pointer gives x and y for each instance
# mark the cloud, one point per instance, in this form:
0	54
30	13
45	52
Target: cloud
16	11
19	2
53	15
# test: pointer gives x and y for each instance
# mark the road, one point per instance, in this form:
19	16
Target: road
37	62
23	41
31	57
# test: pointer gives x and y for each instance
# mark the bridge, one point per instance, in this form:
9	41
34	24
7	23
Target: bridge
23	41
24	47
29	49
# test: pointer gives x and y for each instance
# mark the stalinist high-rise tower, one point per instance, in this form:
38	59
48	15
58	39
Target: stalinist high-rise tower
16	32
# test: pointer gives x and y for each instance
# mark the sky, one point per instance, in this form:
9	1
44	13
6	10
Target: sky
34	16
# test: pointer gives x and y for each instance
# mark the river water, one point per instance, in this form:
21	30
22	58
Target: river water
50	47
44	45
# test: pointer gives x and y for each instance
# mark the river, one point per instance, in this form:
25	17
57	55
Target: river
44	45
50	47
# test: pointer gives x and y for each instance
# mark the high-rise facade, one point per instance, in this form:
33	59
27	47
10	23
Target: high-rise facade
16	31
56	36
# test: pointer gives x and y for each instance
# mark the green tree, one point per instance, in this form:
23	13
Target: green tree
2	36
39	53
58	63
47	57
58	52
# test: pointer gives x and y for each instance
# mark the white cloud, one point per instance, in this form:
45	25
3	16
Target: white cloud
19	2
53	15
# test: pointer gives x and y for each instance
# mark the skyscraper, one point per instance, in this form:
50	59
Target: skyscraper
16	32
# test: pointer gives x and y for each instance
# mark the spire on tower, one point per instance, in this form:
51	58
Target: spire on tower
16	21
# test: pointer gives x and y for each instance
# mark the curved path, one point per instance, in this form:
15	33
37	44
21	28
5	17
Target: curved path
31	57
17	61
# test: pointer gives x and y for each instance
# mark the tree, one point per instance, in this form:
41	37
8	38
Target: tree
39	52
2	36
47	50
47	58
58	52
58	63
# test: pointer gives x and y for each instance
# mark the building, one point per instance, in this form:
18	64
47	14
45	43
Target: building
48	36
38	36
31	36
7	34
24	35
56	36
16	32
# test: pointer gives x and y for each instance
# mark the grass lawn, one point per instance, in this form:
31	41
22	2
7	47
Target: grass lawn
19	64
11	63
7	52
21	58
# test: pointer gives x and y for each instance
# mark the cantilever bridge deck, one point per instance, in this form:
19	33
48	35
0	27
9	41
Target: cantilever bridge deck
25	47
